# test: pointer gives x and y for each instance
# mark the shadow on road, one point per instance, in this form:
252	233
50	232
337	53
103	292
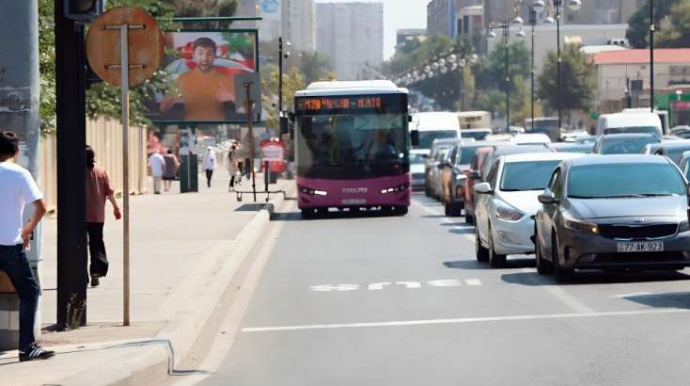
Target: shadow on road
297	216
462	231
474	264
455	224
592	277
667	300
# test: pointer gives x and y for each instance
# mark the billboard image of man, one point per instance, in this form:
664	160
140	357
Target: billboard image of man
206	92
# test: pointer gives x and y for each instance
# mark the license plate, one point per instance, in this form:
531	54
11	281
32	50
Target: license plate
354	201
649	246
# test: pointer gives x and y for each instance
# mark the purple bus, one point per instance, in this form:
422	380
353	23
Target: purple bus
352	147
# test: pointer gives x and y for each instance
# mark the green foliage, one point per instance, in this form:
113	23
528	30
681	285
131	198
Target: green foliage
293	81
315	66
46	60
578	80
677	33
638	25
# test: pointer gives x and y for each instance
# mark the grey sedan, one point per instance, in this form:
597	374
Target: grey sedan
614	212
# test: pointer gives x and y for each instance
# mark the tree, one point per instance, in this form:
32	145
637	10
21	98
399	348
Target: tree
315	66
293	81
578	80
46	61
638	25
676	33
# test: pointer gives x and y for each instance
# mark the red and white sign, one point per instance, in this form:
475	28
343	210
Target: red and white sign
274	153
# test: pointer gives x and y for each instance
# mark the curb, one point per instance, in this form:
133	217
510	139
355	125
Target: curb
164	352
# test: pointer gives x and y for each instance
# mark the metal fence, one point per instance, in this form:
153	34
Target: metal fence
105	137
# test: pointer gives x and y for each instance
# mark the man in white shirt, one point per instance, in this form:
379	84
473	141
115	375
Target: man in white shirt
17	189
157	165
209	164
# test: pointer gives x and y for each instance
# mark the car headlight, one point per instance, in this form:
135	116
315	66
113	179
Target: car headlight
575	224
506	212
684	226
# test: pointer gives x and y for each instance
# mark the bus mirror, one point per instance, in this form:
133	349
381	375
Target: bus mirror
414	136
409	118
284	125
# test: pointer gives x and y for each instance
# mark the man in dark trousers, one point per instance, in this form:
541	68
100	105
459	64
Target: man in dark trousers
17	189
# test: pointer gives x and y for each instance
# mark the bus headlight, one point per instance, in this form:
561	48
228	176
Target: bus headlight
396	189
312	192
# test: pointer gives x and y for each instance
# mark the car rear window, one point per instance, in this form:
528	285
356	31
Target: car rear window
466	155
630	145
624	180
529	175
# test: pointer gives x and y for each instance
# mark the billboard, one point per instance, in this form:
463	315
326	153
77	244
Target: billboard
206	72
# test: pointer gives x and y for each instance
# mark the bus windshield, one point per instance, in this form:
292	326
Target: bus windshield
352	146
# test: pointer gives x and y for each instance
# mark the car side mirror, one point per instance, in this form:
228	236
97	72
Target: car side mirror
475	175
547	198
414	137
483	188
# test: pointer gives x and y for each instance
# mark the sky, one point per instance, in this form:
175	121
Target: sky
397	14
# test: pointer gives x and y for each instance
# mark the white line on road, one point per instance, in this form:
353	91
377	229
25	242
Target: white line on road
622	296
465	320
473	282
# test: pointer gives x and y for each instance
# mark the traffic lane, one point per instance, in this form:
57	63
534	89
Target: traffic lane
588	291
382	269
634	350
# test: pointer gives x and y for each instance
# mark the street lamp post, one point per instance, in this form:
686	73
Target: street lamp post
537	6
505	27
574	5
280	81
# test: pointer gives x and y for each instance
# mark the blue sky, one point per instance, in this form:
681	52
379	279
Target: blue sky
398	14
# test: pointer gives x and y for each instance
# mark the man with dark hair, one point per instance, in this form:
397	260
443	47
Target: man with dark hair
98	190
205	90
17	189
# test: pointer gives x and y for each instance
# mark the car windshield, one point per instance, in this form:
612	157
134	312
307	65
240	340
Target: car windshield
416	158
466	155
529	175
626	145
625	181
636	129
426	138
478	135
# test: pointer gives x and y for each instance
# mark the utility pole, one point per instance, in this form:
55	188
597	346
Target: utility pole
72	274
651	54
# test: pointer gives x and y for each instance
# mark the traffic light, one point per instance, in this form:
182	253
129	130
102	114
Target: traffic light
83	10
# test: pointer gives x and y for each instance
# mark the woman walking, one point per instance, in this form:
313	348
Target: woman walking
209	164
232	168
171	167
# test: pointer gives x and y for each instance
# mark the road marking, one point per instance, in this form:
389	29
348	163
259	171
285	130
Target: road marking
473	282
382	285
622	296
465	320
563	296
337	287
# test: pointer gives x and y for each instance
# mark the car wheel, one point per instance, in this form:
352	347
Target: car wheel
469	219
427	191
455	210
544	267
559	271
495	260
447	209
482	253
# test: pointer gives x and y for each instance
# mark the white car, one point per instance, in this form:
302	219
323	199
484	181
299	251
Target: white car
417	159
531	139
507	203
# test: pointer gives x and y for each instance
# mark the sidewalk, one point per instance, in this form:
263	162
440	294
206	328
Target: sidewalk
182	248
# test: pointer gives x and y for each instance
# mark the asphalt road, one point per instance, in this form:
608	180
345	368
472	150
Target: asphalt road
402	301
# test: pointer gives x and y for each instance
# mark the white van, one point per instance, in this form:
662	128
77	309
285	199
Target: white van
435	125
630	122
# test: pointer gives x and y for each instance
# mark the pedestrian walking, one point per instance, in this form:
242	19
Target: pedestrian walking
172	165
232	167
98	190
209	164
157	166
17	189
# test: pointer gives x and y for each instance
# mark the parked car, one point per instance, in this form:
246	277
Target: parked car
571	147
456	184
474	177
671	149
477	134
431	164
634	217
507	202
492	154
417	159
624	143
684	165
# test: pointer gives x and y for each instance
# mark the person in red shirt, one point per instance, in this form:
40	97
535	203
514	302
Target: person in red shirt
98	190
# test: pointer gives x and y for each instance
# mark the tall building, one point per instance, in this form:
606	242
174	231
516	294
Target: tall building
351	34
443	16
299	27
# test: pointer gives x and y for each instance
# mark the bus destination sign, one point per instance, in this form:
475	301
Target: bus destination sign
338	103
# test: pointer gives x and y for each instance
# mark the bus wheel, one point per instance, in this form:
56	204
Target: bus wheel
309	214
401	210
